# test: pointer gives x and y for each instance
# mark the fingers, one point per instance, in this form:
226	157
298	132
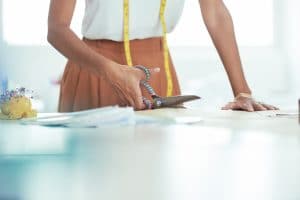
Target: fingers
264	107
246	106
152	71
138	99
249	106
128	99
228	106
243	103
269	107
124	101
233	106
127	85
125	96
259	107
133	98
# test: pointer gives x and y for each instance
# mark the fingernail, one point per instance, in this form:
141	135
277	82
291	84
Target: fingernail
156	69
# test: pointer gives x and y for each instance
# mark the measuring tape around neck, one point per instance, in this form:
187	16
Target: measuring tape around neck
165	43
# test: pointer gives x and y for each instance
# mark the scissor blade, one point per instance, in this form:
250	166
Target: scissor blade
173	101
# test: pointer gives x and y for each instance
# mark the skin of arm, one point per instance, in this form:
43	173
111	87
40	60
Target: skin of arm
61	37
219	24
125	80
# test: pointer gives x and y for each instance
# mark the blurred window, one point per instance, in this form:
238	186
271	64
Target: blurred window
25	23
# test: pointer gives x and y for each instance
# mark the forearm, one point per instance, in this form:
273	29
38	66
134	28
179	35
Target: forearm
68	44
220	27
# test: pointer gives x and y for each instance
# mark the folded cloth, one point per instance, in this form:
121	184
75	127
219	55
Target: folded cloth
89	118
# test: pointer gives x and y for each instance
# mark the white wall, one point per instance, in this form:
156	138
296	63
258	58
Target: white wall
292	40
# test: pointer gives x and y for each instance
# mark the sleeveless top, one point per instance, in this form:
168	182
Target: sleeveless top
103	19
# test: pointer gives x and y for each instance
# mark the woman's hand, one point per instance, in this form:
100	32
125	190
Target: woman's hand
126	82
248	104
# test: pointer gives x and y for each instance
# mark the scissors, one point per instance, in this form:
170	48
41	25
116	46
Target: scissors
162	102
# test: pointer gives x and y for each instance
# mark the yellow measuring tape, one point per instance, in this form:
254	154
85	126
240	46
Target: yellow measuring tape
126	32
165	43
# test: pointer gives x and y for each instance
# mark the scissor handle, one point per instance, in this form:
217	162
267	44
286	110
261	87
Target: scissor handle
157	99
145	70
149	89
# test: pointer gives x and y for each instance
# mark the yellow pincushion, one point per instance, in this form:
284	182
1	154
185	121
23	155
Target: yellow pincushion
17	107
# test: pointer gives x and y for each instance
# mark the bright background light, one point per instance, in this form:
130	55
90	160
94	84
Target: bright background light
22	27
256	17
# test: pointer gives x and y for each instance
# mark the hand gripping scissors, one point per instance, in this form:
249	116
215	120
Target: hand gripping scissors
162	102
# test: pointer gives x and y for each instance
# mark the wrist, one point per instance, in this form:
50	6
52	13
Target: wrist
242	91
243	95
108	68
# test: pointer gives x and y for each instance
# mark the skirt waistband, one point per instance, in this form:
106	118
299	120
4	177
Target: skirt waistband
149	44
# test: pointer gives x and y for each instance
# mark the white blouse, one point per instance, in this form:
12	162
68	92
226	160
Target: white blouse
104	18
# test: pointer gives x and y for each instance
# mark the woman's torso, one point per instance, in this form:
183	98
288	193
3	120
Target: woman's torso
104	18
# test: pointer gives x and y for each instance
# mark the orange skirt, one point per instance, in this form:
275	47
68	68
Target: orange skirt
82	90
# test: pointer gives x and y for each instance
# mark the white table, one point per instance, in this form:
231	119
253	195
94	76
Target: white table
229	155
